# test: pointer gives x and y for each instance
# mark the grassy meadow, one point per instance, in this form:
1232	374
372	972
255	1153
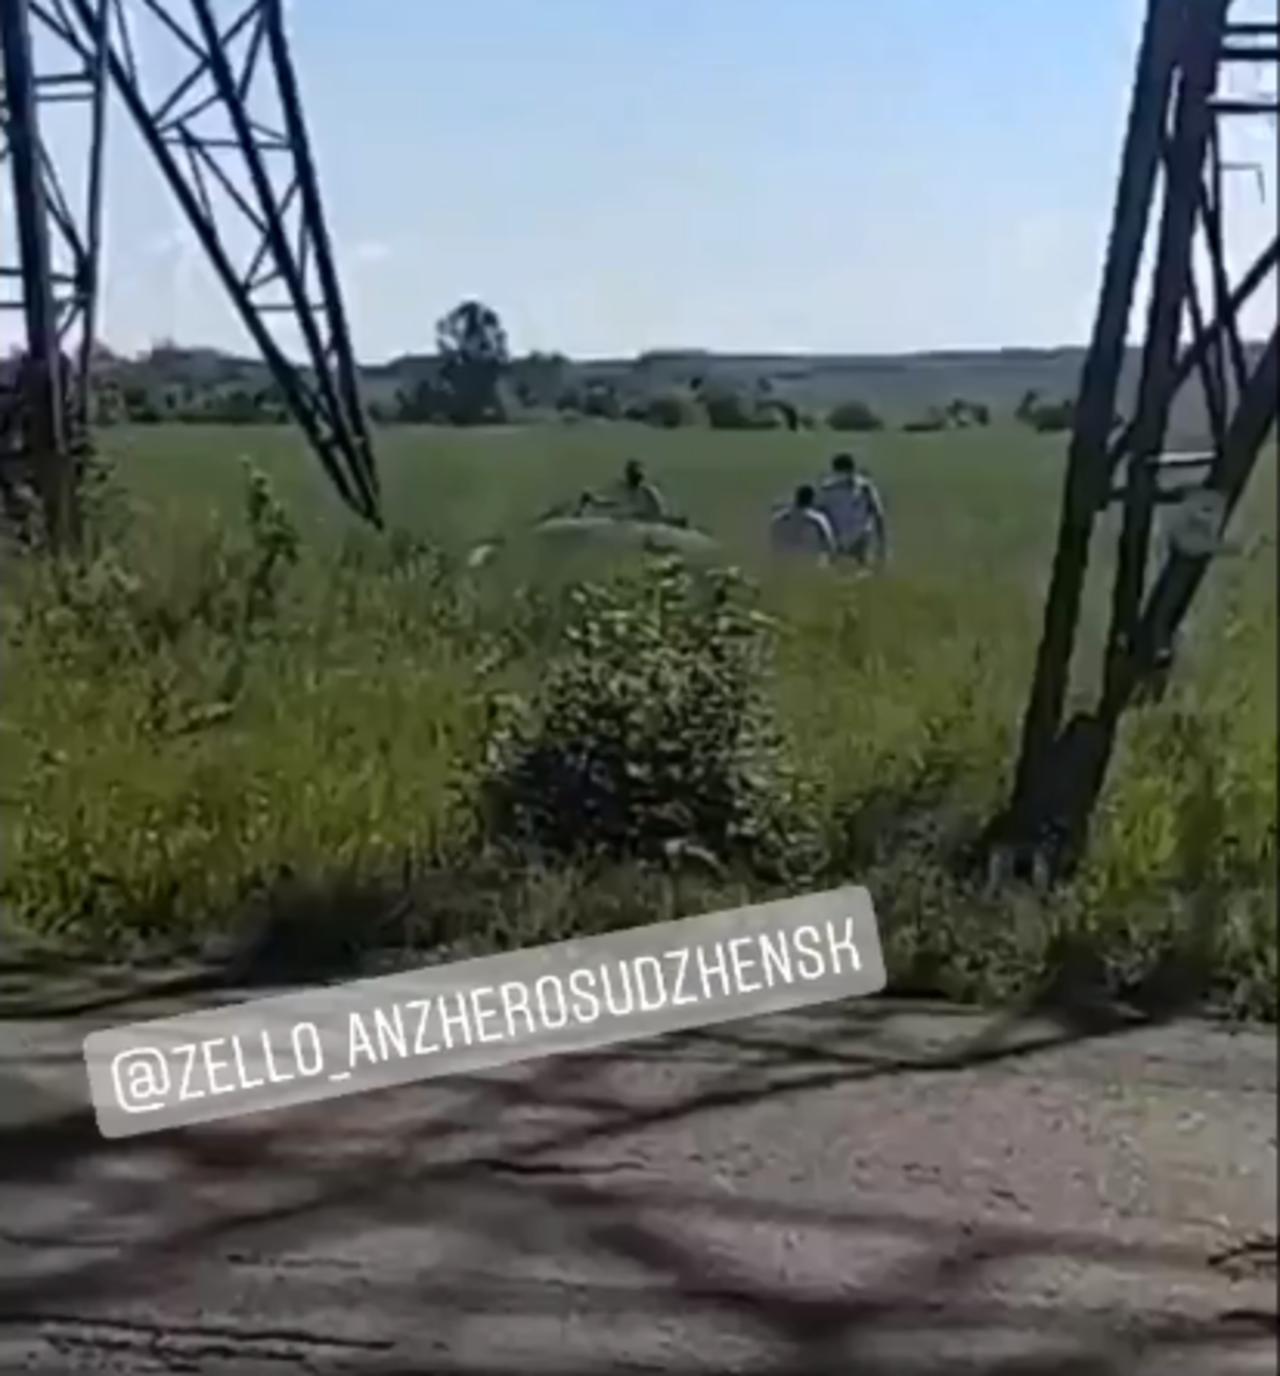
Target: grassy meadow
244	707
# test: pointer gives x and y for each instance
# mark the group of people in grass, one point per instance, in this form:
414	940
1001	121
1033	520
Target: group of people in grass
839	517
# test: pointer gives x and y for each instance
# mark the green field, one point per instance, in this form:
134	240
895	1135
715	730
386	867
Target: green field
172	762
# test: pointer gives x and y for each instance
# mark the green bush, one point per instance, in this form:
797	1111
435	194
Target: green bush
1046	417
650	734
854	417
182	724
668	411
931	423
727	409
193	727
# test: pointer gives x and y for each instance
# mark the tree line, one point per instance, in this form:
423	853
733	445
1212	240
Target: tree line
474	378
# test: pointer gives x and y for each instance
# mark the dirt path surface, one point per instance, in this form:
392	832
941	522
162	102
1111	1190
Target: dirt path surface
872	1190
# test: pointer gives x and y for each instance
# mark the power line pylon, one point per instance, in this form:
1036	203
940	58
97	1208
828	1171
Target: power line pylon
50	273
230	141
1171	191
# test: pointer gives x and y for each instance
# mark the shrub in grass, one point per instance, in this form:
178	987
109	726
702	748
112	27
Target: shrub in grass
187	726
651	732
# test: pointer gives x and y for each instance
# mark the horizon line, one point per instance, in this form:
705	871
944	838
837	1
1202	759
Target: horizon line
671	353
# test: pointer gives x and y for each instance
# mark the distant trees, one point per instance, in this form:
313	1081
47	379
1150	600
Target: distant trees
962	414
474	354
423	400
638	397
1047	417
667	410
854	417
957	414
464	382
778	411
933	420
471	377
728	409
732	408
139	405
596	401
539	381
479	383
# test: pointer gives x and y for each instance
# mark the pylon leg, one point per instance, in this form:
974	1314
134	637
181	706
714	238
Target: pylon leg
1172	161
50	273
230	140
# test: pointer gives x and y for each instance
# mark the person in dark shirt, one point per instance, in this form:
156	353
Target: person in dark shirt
637	497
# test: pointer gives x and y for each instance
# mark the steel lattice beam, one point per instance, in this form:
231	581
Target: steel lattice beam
1171	195
50	273
229	138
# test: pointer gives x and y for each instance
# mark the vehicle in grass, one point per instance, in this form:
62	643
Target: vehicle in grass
630	519
568	537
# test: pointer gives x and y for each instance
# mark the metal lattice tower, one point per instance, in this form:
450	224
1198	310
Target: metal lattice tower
230	141
1196	58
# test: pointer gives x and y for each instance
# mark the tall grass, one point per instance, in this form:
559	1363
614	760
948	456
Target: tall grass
222	708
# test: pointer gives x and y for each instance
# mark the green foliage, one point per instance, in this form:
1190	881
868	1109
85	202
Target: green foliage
727	408
198	734
474	354
539	380
424	400
667	410
958	414
203	386
216	714
1046	417
962	414
854	417
273	549
651	732
599	401
933	421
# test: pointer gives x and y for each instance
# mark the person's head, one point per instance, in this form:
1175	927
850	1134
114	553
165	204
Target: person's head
805	497
633	473
844	466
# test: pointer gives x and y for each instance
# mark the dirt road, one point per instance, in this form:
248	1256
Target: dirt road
872	1190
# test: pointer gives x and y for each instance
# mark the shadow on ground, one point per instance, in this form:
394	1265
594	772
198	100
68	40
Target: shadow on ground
292	932
192	1208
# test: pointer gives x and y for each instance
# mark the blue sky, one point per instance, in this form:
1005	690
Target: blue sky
616	175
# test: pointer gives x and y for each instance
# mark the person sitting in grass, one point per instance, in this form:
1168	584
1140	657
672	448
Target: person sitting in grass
800	528
636	497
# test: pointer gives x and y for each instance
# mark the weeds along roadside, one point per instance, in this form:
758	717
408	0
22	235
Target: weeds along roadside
208	723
